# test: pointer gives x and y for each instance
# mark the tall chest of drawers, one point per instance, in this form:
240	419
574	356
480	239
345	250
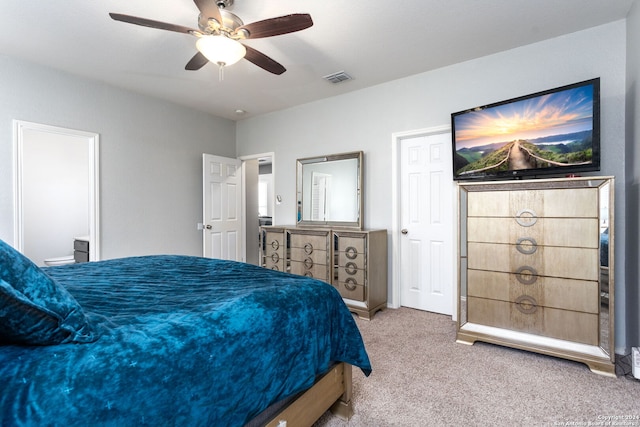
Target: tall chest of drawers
536	267
354	262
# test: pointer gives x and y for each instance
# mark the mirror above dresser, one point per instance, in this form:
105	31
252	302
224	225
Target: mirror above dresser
329	191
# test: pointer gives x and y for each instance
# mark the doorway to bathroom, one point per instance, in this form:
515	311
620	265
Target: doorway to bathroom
259	199
56	193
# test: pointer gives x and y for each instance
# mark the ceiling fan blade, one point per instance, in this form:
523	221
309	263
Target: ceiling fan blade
198	61
151	23
209	9
263	61
276	26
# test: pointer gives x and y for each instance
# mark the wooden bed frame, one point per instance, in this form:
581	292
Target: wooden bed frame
332	391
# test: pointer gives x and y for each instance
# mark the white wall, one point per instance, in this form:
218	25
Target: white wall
150	155
632	225
366	119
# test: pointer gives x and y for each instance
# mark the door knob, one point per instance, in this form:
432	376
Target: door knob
208	227
404	231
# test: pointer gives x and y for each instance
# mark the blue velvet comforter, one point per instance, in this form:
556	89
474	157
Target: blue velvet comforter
183	341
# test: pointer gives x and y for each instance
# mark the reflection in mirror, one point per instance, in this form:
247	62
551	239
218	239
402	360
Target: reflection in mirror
329	190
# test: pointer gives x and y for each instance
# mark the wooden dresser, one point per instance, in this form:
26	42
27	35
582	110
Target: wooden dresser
531	267
354	262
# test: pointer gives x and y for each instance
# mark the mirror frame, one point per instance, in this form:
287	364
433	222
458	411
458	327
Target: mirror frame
301	222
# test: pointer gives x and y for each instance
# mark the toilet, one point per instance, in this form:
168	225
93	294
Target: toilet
62	260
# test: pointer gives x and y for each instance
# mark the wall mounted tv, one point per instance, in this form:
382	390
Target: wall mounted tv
556	131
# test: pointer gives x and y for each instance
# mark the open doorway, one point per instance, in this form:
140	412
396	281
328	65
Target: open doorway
259	199
56	194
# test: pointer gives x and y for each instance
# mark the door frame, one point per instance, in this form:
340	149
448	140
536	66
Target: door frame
244	192
93	140
396	218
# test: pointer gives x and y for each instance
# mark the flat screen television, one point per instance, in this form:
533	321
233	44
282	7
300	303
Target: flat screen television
554	132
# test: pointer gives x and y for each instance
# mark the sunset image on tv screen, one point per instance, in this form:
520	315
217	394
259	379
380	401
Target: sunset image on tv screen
550	130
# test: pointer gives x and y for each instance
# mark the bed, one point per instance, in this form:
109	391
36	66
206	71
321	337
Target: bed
170	341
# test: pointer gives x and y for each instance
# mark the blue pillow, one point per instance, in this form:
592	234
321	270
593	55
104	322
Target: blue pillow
35	309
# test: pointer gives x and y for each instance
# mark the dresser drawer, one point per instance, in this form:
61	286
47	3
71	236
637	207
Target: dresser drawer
357	260
317	271
350	273
274	242
273	257
573	263
315	257
566	294
526	316
351	290
274	261
279	265
558	203
310	243
352	245
573	232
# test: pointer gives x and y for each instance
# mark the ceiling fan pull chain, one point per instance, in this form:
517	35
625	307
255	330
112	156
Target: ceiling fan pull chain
220	71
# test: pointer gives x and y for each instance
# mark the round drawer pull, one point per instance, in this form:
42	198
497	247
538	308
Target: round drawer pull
526	304
526	275
526	245
350	284
308	248
351	268
275	257
351	252
526	217
308	263
275	245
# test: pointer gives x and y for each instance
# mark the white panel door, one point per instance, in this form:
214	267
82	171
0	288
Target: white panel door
427	215
222	207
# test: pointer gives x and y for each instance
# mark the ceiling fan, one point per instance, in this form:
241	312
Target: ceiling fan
220	31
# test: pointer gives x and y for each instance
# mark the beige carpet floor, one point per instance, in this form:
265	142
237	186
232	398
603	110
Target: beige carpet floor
422	377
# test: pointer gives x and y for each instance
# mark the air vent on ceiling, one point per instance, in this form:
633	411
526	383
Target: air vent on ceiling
338	77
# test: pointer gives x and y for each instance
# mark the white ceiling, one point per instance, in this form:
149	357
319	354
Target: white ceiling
372	40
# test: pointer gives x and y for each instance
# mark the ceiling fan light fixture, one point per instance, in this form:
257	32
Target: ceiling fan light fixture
221	50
